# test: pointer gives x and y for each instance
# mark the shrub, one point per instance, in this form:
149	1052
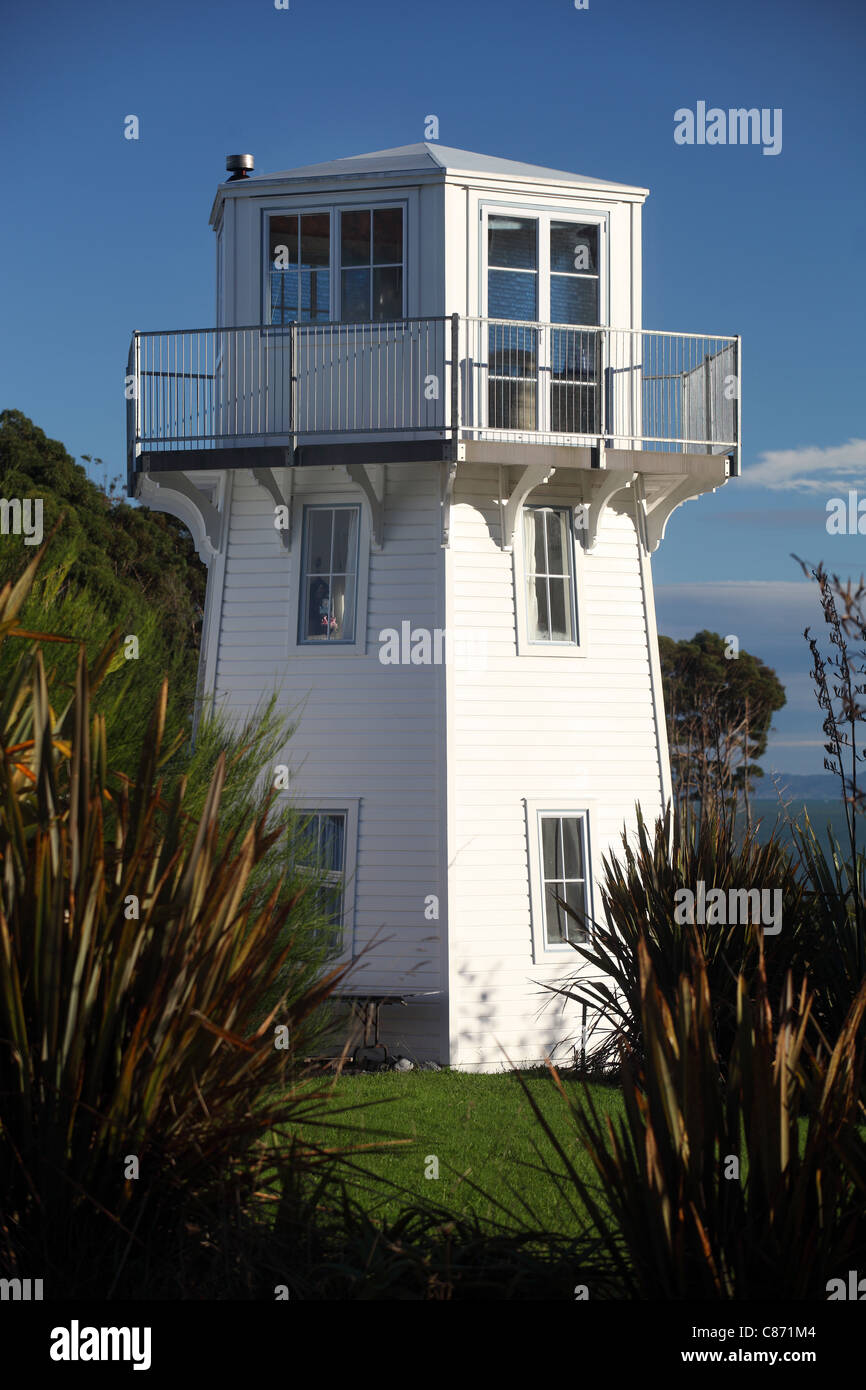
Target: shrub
749	1186
133	962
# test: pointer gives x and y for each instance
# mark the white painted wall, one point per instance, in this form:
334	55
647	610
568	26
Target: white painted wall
366	730
572	732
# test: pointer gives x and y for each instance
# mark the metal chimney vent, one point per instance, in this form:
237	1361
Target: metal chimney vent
238	164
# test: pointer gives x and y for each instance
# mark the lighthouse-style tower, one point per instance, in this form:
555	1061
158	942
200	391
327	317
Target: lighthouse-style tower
427	452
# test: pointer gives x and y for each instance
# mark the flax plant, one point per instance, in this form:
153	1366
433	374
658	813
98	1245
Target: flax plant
142	1093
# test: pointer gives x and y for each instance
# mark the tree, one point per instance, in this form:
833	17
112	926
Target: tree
108	565
719	709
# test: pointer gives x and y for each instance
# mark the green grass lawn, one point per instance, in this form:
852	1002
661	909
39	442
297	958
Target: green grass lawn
481	1129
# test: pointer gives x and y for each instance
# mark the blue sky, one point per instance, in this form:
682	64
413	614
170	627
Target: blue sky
100	235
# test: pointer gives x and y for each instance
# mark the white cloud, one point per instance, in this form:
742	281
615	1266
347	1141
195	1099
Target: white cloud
810	469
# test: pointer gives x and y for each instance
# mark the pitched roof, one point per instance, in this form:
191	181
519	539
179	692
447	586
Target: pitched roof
425	157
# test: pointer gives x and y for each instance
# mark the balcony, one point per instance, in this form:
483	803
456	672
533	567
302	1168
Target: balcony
431	389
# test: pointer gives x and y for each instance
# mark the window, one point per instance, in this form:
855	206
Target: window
512	293
371	264
299	253
559	846
574	299
543	270
564	879
329	575
549	575
322	852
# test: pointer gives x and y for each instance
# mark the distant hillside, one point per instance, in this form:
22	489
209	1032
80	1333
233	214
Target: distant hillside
110	564
817	786
821	812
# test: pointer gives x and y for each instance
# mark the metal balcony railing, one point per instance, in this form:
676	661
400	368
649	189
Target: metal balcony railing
454	378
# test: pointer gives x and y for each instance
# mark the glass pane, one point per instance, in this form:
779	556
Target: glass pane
511	405
388	293
317	609
550	847
347	612
554	915
560	610
577	925
388	236
283	238
557	542
573	300
355	306
337	610
574	248
333	828
316	239
284	296
329	902
355	238
572	354
534	529
512	351
345	533
538	618
573	409
319	528
307	852
572	840
315	296
512	296
512	242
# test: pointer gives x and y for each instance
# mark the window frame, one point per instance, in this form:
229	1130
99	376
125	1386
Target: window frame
338	253
348	806
544	214
307	510
298	214
332	651
334	211
537	810
530	646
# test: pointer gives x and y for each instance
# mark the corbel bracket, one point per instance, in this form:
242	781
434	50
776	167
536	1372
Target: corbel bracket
447	479
205	520
266	478
658	512
611	483
533	476
370	478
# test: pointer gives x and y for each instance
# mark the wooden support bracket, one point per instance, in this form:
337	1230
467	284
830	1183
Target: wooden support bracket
533	476
370	478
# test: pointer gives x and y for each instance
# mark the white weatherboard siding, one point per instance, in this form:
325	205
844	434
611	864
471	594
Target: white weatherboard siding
568	733
366	730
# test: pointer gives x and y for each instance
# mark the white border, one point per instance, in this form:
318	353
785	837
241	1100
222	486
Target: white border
349	806
324	651
535	808
546	650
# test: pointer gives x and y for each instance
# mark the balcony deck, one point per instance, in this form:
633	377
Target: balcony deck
440	388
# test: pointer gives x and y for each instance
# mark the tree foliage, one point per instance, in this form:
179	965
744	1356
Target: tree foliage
719	709
108	565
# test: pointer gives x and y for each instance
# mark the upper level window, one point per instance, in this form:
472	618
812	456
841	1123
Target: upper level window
541	270
329	574
573	273
564	879
549	573
371	264
300	268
